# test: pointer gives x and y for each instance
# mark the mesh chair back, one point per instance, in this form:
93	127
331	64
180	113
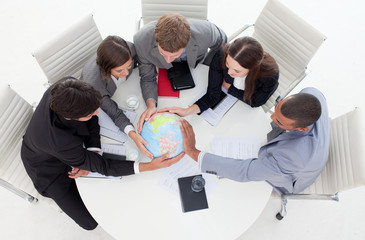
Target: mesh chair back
15	114
345	168
66	54
153	9
290	40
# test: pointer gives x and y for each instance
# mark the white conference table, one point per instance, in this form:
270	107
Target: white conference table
135	207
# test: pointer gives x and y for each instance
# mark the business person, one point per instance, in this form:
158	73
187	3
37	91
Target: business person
105	71
290	161
61	144
172	38
242	69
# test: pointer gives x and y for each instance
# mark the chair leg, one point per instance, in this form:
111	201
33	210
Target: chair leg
18	192
280	215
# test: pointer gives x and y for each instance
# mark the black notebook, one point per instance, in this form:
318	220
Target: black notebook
180	77
190	200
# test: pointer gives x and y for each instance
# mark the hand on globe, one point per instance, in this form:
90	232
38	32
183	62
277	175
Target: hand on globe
146	115
182	112
189	140
140	143
163	134
160	162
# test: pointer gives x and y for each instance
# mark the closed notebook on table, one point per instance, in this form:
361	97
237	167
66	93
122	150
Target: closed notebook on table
179	76
190	200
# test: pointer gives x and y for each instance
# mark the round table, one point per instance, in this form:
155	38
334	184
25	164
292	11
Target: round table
136	207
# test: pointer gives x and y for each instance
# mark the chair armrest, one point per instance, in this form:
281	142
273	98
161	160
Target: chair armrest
138	24
311	196
239	31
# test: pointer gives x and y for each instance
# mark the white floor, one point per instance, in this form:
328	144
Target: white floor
336	70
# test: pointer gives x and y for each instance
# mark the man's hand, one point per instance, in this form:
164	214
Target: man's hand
226	85
183	112
141	143
160	162
146	115
189	140
76	172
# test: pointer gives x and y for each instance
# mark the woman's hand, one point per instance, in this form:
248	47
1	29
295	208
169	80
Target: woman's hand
183	112
141	143
226	85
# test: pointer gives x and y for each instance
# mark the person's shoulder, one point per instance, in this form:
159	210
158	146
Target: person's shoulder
90	65
313	91
146	33
200	26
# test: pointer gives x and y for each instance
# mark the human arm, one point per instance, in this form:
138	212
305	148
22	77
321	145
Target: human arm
215	79
146	115
141	143
160	162
183	112
189	140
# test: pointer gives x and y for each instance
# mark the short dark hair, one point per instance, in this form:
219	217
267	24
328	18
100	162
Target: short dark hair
112	52
172	32
74	99
304	108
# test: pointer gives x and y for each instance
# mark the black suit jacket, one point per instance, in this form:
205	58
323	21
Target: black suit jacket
52	144
265	86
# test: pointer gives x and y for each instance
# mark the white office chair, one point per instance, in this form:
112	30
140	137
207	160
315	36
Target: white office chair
290	40
153	9
66	54
345	168
15	114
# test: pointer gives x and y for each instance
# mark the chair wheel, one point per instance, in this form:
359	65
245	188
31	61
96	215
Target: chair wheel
278	216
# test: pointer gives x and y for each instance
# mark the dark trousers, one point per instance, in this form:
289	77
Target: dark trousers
72	204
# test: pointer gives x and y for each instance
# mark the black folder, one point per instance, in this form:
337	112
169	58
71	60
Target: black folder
190	200
180	77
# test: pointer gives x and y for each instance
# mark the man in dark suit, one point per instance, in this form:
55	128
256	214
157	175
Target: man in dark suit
61	144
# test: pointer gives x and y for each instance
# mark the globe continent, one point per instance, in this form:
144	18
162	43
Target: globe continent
163	134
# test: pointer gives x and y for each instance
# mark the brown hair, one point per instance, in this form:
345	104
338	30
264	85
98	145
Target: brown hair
112	52
172	32
74	99
249	53
304	108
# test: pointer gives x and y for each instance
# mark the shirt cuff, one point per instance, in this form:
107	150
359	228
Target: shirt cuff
128	128
200	159
93	149
136	167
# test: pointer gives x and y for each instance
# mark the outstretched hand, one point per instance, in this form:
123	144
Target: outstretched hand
183	112
189	140
160	162
145	116
140	143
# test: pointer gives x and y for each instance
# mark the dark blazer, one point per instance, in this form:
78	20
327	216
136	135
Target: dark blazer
52	144
265	86
91	74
